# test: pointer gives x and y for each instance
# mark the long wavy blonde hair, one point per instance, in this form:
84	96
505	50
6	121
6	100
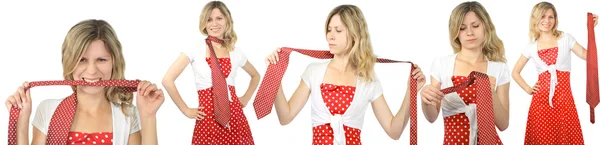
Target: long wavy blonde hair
493	48
229	37
76	43
361	54
536	16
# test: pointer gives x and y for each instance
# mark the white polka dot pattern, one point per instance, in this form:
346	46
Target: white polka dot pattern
557	124
222	109
61	120
263	103
486	134
96	138
592	96
208	132
457	127
337	98
12	125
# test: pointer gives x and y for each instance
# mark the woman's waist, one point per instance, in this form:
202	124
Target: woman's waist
209	89
326	129
547	72
560	75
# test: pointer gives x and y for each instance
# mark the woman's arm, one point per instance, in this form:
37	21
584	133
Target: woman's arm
23	129
516	75
392	125
39	138
149	98
578	49
169	83
254	79
501	107
21	99
287	111
431	97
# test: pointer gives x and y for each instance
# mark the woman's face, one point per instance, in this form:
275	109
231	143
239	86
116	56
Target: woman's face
337	35
216	24
472	32
547	21
95	64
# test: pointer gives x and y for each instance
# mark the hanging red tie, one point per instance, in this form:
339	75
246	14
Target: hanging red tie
265	97
222	108
592	97
60	123
486	135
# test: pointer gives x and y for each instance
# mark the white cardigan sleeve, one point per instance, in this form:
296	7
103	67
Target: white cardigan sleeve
44	113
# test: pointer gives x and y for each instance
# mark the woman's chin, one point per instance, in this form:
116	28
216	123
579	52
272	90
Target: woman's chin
91	89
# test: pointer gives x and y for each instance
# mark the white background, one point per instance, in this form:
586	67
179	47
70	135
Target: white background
153	34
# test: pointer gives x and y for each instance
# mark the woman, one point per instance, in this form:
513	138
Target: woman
343	87
477	48
216	23
91	52
552	101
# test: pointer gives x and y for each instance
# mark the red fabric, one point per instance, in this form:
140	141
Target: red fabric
222	109
207	131
592	97
486	135
560	122
267	91
60	123
96	138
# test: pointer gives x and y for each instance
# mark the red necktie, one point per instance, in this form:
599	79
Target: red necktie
60	123
592	69
265	97
486	135
222	109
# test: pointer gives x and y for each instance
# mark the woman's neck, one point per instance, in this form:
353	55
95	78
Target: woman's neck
92	102
471	55
546	36
342	63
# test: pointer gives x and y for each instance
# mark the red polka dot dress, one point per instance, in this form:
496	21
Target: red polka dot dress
457	127
555	125
208	132
96	138
337	98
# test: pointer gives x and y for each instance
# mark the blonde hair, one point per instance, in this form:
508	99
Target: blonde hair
493	48
229	37
361	53
76	43
536	16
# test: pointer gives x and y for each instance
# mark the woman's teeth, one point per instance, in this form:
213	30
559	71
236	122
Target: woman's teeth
91	80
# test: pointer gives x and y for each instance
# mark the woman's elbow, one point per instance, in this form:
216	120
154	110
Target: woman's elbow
256	75
394	133
167	81
395	136
284	119
255	78
503	126
284	122
515	75
430	118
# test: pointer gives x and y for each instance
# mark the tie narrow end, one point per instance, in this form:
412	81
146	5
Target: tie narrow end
592	115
